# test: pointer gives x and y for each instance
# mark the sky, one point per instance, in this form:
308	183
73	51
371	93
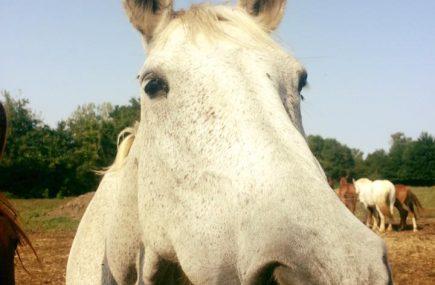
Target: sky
371	64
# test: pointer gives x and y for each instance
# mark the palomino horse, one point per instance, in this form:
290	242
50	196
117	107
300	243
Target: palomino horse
11	233
217	185
406	201
347	194
378	197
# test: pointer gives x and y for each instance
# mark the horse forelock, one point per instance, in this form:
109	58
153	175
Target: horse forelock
211	21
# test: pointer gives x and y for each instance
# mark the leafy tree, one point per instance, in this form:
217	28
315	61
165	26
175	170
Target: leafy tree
24	167
359	169
375	165
395	168
419	161
93	130
336	159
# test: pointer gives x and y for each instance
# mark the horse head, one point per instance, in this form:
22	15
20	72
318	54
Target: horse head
219	179
227	186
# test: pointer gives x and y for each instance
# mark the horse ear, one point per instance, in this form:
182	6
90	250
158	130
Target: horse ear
267	12
148	16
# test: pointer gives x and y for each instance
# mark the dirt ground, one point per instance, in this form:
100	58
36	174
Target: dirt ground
412	255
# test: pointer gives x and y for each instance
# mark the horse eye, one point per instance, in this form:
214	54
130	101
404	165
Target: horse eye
156	87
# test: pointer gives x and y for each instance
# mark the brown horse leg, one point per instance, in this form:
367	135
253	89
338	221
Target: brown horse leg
403	217
403	214
413	215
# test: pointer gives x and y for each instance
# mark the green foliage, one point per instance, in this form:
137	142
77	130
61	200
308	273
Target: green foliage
40	161
36	214
408	161
375	165
418	164
336	159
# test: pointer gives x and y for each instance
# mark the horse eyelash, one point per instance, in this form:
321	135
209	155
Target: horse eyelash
148	76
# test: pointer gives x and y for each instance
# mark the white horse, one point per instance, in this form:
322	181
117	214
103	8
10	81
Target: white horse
219	185
378	197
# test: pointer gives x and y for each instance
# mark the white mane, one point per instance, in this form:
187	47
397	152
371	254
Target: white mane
124	142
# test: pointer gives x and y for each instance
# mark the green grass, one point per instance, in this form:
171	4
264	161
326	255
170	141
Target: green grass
33	215
426	195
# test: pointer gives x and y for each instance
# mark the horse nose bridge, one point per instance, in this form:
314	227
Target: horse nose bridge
314	261
334	247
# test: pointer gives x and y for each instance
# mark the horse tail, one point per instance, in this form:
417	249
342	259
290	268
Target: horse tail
416	202
125	140
389	201
392	198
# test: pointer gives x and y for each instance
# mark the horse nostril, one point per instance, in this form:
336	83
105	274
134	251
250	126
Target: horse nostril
266	274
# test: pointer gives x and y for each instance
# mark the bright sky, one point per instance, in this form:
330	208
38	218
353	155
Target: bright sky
371	63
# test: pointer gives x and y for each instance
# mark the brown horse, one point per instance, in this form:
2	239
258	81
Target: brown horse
347	194
406	202
11	232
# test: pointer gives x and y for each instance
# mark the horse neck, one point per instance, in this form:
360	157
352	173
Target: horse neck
343	182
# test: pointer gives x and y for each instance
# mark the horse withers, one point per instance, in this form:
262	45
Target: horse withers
217	184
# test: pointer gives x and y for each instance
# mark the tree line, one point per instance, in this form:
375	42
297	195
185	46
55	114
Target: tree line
408	161
45	161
